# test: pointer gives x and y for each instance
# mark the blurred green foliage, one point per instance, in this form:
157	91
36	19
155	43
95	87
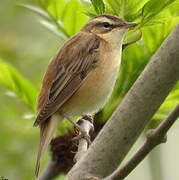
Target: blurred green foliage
16	83
156	19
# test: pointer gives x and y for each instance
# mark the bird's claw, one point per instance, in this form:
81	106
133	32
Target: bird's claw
83	135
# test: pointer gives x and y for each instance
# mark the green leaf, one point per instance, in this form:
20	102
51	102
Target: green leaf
98	6
169	104
16	83
56	7
132	37
153	36
90	14
73	17
115	5
133	9
173	10
166	16
153	8
86	4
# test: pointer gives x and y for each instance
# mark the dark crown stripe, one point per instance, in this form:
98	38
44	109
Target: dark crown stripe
109	17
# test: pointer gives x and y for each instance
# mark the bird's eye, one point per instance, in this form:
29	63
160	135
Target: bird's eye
106	25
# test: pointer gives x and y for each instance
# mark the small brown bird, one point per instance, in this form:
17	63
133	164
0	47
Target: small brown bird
81	77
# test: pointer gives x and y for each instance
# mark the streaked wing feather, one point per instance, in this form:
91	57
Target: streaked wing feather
63	96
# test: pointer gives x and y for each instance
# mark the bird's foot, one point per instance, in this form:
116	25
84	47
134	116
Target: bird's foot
82	130
86	125
83	135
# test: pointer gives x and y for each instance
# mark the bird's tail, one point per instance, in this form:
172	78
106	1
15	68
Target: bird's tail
47	130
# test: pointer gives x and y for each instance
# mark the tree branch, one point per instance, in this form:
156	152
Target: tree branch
135	111
154	138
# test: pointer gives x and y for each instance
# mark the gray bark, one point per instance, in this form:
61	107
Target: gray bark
49	171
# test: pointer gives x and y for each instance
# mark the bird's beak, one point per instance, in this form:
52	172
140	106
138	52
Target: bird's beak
128	25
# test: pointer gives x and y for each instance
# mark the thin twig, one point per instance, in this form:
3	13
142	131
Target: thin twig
49	171
154	138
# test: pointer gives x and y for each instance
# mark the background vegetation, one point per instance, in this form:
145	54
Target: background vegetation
26	47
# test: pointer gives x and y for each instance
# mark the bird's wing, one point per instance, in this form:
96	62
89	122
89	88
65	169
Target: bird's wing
74	61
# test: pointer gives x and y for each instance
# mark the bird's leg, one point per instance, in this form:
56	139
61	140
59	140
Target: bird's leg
83	133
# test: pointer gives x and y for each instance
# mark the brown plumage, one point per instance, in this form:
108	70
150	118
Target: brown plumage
81	77
63	78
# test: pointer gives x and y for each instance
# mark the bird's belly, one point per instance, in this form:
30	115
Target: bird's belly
93	93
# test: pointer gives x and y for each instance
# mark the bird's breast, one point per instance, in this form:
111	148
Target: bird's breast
96	88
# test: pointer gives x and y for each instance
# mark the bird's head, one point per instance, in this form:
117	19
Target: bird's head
108	27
